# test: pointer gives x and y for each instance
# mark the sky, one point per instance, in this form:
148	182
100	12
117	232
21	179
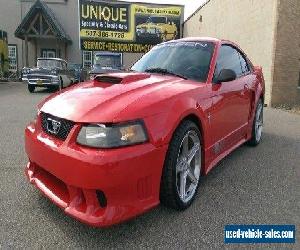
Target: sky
189	5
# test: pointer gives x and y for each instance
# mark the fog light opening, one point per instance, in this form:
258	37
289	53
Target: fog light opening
101	198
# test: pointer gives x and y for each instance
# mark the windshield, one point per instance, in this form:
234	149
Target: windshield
108	61
49	63
188	59
157	19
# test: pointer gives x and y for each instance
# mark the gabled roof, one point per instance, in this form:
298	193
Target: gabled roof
48	14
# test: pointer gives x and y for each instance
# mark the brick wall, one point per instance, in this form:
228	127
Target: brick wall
286	89
249	23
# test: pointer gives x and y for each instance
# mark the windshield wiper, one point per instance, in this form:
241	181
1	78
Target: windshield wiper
165	71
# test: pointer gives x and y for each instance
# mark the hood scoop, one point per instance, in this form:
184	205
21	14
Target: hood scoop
121	78
108	79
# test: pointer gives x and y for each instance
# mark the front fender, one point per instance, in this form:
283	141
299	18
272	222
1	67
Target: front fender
162	126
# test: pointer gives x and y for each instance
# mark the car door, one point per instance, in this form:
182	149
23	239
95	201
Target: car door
231	101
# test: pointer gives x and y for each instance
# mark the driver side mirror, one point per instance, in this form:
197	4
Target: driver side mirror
226	75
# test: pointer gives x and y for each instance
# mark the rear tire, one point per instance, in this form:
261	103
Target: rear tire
61	84
31	88
180	179
257	125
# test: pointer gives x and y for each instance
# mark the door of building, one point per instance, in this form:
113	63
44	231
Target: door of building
48	53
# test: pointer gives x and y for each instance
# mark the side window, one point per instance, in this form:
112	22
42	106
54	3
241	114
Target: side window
244	64
228	58
12	58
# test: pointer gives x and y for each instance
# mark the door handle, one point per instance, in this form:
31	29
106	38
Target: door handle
246	87
245	90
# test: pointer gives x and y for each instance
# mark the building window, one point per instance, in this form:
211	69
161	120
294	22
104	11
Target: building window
48	53
12	58
87	59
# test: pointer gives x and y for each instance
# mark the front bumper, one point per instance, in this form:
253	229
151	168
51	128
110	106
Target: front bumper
44	81
71	176
43	84
24	78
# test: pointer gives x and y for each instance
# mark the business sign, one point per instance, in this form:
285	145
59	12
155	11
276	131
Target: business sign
127	27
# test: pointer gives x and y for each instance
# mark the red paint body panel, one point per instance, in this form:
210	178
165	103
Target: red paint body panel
59	168
129	177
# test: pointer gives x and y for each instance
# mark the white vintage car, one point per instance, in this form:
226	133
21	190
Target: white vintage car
50	73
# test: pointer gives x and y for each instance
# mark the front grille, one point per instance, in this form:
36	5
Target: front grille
60	132
41	77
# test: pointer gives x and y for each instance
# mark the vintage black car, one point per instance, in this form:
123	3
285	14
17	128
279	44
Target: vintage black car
106	62
80	72
50	73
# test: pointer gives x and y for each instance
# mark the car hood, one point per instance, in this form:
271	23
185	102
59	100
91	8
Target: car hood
43	71
115	97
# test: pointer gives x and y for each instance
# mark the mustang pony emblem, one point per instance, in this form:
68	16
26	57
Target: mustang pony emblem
53	126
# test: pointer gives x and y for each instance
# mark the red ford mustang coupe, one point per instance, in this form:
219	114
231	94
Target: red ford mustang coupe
112	148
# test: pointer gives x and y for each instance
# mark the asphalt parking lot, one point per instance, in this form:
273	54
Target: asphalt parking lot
251	186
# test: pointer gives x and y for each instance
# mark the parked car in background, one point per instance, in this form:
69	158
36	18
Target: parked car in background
80	72
157	27
106	62
50	73
112	148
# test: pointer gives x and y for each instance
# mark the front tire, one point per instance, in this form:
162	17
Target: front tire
164	36
31	88
174	35
182	167
257	125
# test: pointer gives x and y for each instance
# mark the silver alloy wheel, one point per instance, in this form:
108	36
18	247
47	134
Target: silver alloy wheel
259	122
188	166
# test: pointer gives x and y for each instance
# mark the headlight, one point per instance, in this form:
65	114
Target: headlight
158	31
53	72
54	79
112	136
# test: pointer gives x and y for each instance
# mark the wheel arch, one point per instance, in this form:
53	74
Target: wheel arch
196	119
262	97
167	190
